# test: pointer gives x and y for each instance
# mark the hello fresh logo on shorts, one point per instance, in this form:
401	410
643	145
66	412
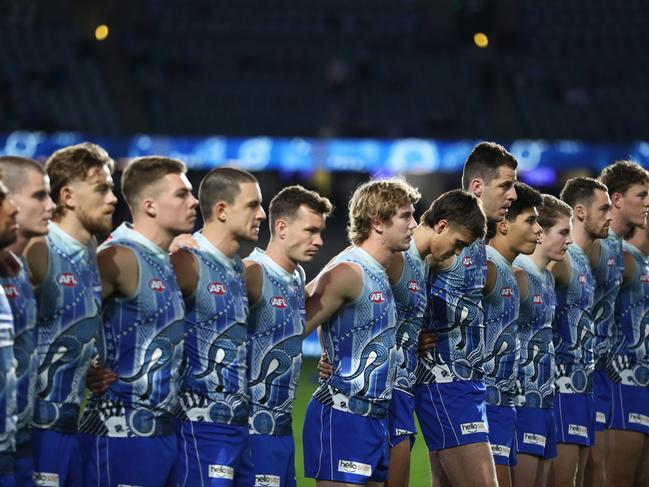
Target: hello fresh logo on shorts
265	480
475	427
500	450
534	439
577	430
220	472
46	479
638	418
349	466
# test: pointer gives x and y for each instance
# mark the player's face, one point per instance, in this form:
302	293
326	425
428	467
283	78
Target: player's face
524	232
397	232
599	215
176	211
555	240
498	194
35	205
8	224
635	203
303	237
450	241
246	214
95	200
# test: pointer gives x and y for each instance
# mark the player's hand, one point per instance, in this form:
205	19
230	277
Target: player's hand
427	340
185	240
98	378
325	369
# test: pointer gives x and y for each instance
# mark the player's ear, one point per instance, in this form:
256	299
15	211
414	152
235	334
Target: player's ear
149	207
377	225
503	226
441	225
477	186
616	200
579	212
220	210
280	228
67	197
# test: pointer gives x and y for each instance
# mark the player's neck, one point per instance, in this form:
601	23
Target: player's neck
71	225
620	225
539	259
501	244
422	237
160	237
222	239
377	250
640	241
18	247
582	238
278	255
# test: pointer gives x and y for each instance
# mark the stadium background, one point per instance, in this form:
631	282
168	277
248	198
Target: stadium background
327	93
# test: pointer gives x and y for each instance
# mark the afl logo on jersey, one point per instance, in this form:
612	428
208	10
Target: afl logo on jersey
413	286
537	299
643	278
11	291
467	261
216	288
506	292
279	302
67	279
582	279
610	262
157	285
377	297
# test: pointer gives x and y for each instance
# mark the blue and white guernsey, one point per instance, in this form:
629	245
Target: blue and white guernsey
20	294
537	368
456	316
629	361
213	376
8	378
360	341
410	297
141	340
275	334
502	347
608	275
67	322
573	326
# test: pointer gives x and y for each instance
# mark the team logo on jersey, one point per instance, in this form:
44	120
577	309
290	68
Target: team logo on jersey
644	278
216	288
67	279
220	472
610	262
467	261
506	292
279	302
11	291
349	466
537	299
582	279
265	480
377	297
413	286
157	285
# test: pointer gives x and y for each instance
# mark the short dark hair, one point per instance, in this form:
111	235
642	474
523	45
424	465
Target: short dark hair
621	175
73	163
144	171
580	190
15	169
527	198
287	202
221	184
484	161
551	210
460	209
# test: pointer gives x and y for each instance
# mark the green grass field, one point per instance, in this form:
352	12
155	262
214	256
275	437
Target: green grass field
419	470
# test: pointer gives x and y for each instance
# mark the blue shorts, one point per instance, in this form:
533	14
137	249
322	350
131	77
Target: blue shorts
270	461
629	408
536	432
210	454
452	413
110	461
24	465
57	458
602	395
344	447
573	413
6	469
401	418
502	422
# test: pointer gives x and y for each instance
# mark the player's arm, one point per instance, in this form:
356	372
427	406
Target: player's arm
492	276
523	283
340	283
595	253
118	270
37	256
561	271
629	269
254	280
396	268
187	271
